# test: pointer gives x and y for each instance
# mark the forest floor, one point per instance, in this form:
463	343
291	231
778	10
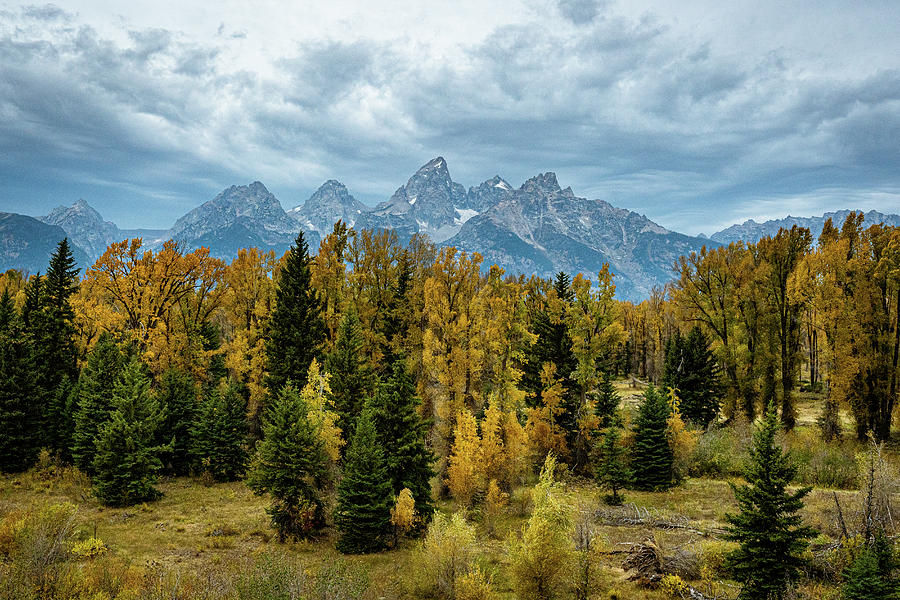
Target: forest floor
222	530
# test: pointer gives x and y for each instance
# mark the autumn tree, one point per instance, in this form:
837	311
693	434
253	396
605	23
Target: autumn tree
777	258
296	329
541	558
159	299
453	353
463	471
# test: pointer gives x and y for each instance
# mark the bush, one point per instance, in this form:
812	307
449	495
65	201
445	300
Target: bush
822	464
273	578
445	555
33	549
720	453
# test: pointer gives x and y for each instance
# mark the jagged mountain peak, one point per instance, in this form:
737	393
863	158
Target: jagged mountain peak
543	182
328	204
84	226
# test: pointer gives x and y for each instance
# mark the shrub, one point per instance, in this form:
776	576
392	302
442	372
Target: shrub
719	453
445	555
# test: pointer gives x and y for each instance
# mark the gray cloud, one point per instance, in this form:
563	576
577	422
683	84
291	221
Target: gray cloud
624	109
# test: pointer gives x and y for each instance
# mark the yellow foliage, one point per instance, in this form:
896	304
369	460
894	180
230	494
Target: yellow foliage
544	434
682	441
673	585
403	514
464	476
317	395
89	548
475	585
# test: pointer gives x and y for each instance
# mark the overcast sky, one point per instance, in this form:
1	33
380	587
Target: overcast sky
698	114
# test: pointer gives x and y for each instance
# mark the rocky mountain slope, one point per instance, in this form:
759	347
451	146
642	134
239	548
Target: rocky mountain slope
541	228
241	216
751	231
26	244
85	227
328	204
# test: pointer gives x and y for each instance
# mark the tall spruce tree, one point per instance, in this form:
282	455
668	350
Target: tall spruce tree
127	461
20	419
177	396
693	372
365	497
296	327
291	466
55	352
768	528
606	400
351	377
652	459
220	434
554	345
93	399
402	433
612	469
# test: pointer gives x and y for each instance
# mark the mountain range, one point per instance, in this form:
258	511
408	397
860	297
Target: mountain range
538	228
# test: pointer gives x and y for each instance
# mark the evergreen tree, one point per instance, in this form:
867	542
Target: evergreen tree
178	398
606	400
612	470
351	378
652	459
220	434
20	430
768	527
365	497
296	327
554	345
127	457
212	341
93	399
291	466
7	311
402	432
691	369
871	576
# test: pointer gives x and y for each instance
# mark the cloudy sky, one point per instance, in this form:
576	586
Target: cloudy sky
699	113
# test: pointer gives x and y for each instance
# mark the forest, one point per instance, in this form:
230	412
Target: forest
388	420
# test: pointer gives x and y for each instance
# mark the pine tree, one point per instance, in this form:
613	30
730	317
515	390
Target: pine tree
871	575
652	459
402	432
691	369
20	429
351	378
365	497
296	327
612	470
177	396
55	351
93	403
220	432
606	400
290	466
554	345
7	311
768	527
127	456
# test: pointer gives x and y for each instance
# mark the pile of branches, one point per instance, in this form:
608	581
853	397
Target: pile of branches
632	515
